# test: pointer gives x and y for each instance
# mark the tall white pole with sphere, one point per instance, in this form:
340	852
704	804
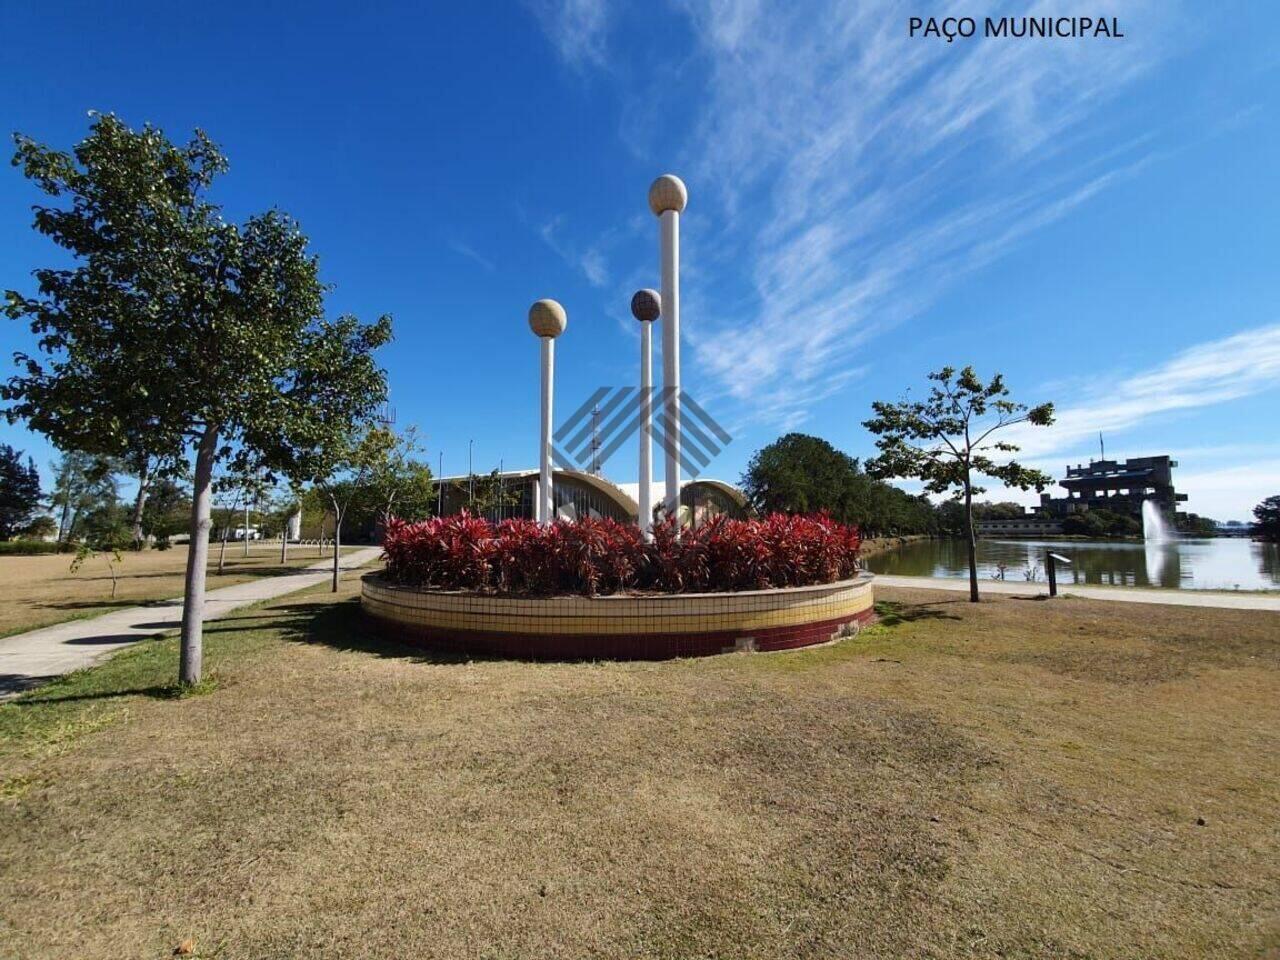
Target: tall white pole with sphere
547	320
646	306
667	199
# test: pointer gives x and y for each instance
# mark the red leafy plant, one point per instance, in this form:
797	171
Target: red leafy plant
595	556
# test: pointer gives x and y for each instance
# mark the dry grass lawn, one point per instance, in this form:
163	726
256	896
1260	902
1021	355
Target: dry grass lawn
1024	779
39	591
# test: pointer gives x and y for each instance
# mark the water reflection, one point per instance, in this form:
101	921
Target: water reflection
1212	564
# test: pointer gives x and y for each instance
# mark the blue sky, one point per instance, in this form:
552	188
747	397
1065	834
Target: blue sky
1099	220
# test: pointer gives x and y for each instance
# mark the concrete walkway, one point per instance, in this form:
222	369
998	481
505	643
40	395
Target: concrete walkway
1225	599
29	659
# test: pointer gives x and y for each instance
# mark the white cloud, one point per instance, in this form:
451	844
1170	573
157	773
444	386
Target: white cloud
578	29
1231	493
859	171
465	250
1237	366
591	261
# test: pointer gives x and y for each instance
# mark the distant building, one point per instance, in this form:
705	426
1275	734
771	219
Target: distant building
579	494
1119	486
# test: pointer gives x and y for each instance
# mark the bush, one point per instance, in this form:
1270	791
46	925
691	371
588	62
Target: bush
30	548
595	556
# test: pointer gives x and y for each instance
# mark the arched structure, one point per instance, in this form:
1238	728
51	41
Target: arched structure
702	499
574	494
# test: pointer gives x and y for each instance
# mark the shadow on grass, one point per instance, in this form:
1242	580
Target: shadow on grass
343	626
892	613
155	692
106	604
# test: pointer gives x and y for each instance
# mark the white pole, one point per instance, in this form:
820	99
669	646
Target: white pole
547	320
671	354
544	462
667	199
646	307
646	429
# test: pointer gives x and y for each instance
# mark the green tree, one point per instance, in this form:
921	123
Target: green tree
400	484
1266	516
488	494
340	468
82	483
166	512
947	438
41	528
178	329
149	470
19	491
798	473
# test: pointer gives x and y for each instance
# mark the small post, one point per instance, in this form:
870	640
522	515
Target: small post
1051	559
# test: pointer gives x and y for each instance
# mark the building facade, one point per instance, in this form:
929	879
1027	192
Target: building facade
578	494
1118	486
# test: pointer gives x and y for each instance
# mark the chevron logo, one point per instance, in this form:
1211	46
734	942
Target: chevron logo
611	416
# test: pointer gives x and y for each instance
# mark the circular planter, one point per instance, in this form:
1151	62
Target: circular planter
624	627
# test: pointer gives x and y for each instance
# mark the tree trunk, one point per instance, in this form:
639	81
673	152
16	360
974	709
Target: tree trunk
246	530
222	553
192	656
284	543
971	542
337	542
140	502
62	522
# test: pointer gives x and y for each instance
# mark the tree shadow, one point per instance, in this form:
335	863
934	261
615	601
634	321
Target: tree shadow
92	604
50	695
893	613
343	626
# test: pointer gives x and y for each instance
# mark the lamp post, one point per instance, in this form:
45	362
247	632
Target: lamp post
646	306
547	320
667	199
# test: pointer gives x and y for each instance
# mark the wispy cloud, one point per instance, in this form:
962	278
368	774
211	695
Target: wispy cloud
1240	365
577	28
465	250
590	261
868	171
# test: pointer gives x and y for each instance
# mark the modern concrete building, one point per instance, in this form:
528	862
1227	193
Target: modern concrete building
1118	486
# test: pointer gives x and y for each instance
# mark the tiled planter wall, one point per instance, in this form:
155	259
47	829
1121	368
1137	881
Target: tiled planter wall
618	627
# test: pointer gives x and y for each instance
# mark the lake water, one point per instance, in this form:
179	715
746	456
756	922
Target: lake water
1225	563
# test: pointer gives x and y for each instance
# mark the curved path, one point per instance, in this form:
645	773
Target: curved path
29	659
1226	599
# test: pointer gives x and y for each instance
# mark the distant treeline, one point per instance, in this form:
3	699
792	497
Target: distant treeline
798	473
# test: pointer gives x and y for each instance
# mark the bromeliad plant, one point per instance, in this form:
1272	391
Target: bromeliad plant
599	556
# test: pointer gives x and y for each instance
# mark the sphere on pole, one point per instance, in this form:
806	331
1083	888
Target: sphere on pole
667	199
646	306
547	320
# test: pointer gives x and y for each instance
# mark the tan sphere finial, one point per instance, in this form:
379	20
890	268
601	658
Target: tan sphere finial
547	318
646	305
668	192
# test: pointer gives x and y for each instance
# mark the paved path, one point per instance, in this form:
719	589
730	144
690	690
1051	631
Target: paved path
1175	598
29	659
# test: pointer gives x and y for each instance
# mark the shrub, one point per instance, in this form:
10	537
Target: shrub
31	548
593	556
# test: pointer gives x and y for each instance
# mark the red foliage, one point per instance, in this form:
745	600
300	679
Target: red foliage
593	556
